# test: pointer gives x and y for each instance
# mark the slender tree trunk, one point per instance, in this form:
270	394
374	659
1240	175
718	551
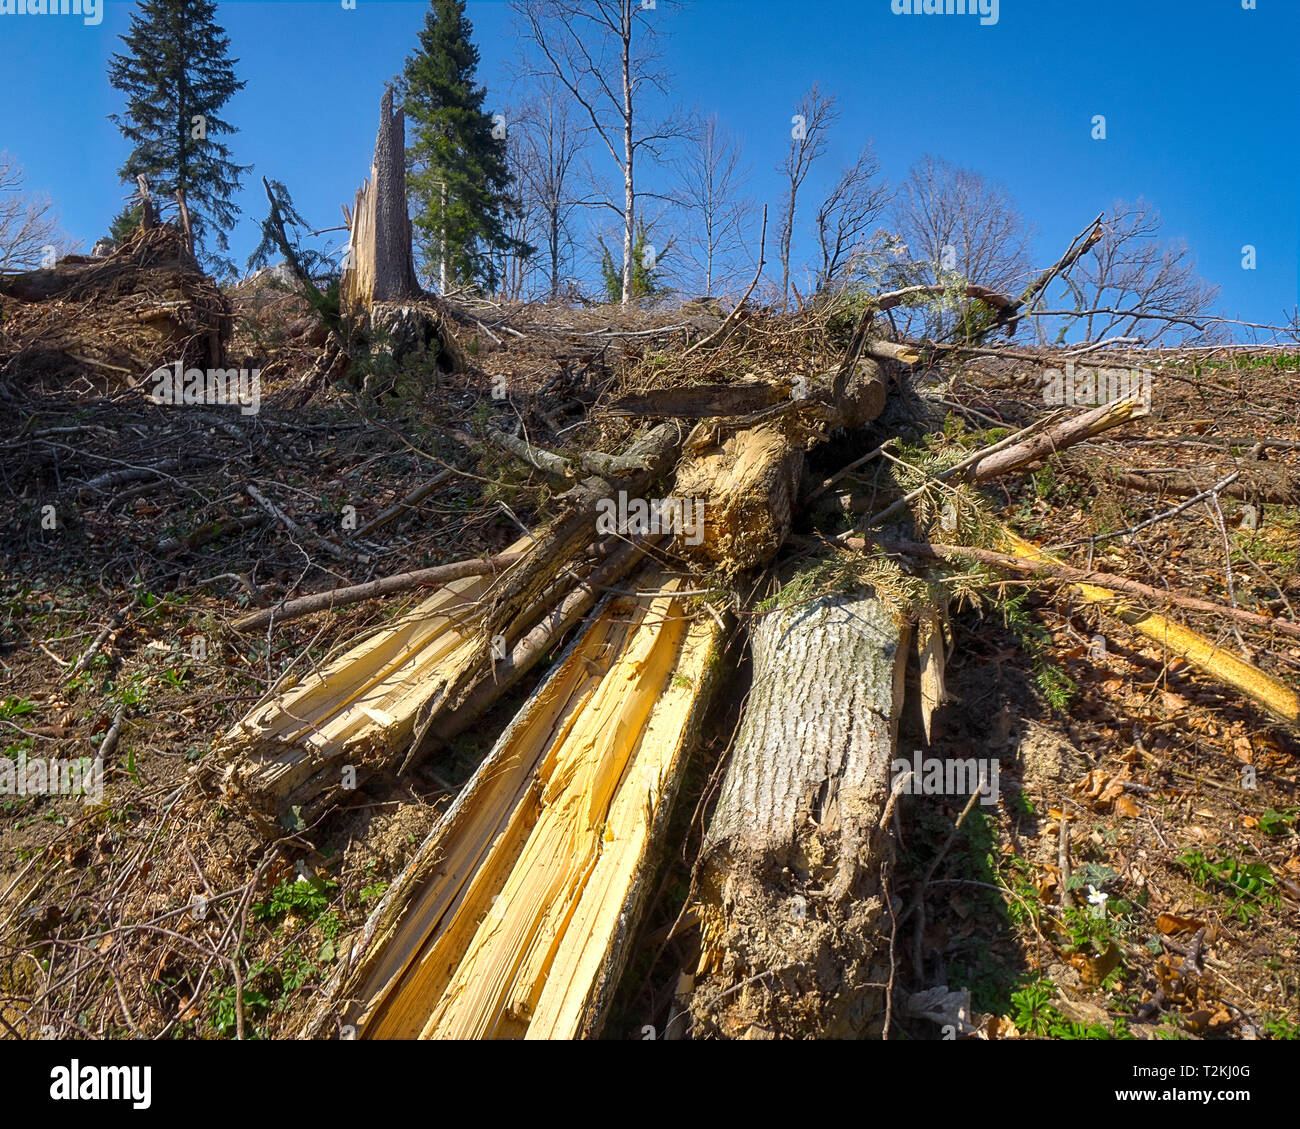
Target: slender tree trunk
787	230
555	249
629	191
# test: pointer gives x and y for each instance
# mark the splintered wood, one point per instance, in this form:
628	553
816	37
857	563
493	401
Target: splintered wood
1225	667
512	919
359	708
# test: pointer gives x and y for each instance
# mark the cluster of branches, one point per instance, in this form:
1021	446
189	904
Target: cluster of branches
29	225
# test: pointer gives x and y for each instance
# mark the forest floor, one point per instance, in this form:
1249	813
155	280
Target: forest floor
163	912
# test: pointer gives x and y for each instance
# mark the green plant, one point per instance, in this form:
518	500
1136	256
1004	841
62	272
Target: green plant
306	898
1056	686
1250	885
1276	822
1032	1009
11	708
372	891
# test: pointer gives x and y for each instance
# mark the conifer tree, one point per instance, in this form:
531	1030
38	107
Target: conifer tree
645	281
176	76
457	171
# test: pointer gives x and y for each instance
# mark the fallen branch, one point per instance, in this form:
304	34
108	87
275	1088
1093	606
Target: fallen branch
415	496
1020	450
1091	576
297	532
388	586
1196	649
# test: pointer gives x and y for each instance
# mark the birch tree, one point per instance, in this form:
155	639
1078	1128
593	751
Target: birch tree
813	116
603	53
547	140
710	179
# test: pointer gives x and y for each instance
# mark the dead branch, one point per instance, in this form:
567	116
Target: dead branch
388	586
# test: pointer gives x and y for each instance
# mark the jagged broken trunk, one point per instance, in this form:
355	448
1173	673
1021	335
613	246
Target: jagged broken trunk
379	293
513	919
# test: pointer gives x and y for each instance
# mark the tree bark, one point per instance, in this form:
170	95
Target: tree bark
381	264
794	925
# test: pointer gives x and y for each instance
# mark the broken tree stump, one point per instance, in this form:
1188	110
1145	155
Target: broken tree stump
379	291
380	263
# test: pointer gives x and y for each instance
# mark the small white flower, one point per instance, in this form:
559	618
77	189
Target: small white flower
1097	900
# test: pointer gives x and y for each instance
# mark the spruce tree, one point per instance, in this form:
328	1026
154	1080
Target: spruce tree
176	76
457	171
645	280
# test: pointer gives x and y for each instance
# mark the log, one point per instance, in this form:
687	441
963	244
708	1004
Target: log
1222	666
794	936
1049	567
306	744
749	481
1258	482
513	918
391	700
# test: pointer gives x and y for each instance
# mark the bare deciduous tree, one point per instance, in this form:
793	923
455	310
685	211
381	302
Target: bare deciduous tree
546	140
28	223
602	52
1132	271
847	214
813	116
710	177
956	224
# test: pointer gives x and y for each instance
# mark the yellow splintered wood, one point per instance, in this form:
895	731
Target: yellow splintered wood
513	932
367	698
1181	641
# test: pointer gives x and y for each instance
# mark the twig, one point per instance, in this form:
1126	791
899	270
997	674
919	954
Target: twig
387	586
93	649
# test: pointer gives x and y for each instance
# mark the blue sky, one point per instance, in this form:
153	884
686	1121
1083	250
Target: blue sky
1199	96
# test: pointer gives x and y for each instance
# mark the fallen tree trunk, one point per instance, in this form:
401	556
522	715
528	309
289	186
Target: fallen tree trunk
390	700
387	696
513	918
1049	567
794	926
1271	483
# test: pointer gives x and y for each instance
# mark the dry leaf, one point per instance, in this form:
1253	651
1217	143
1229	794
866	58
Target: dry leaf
1169	924
1126	807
